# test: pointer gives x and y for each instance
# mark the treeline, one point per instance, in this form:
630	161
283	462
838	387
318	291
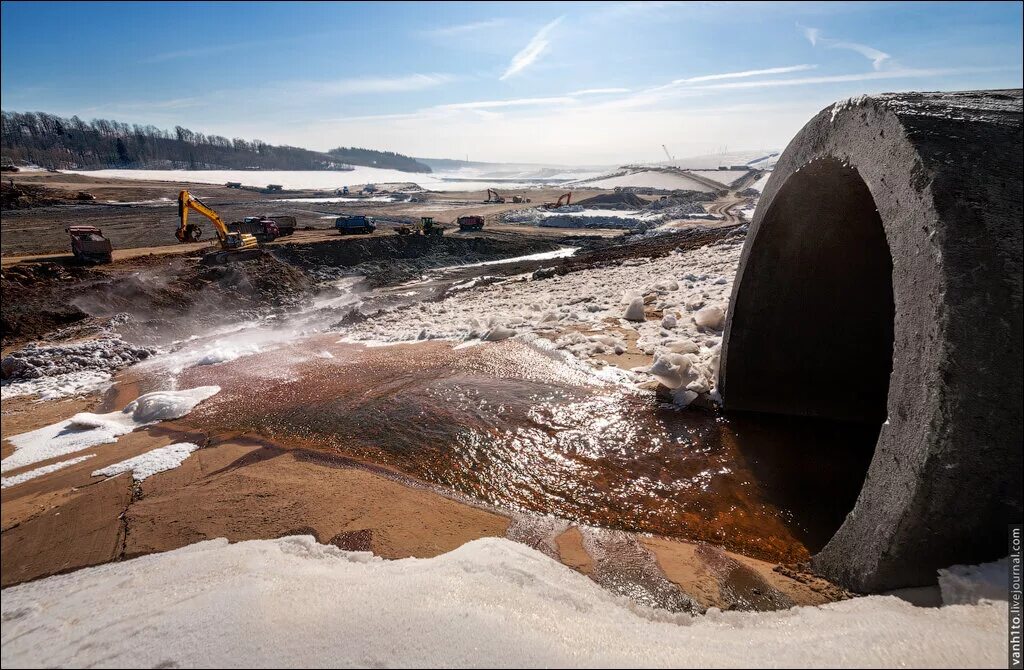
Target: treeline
71	143
388	159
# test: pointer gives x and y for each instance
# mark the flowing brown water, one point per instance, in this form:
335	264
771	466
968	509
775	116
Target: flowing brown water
523	431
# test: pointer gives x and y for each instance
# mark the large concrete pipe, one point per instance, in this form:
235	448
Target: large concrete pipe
881	282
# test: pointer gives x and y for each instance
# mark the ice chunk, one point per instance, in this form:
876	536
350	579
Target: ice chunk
498	333
969	584
710	317
635	311
683	347
151	462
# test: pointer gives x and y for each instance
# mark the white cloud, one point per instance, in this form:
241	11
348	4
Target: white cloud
599	91
905	73
464	28
399	84
874	55
531	52
745	73
519	102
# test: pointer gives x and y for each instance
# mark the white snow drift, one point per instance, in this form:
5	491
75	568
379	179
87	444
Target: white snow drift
294	603
85	429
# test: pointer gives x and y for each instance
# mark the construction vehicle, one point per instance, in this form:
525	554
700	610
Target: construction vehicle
260	227
492	196
428	228
355	224
233	245
286	225
563	199
89	246
471	222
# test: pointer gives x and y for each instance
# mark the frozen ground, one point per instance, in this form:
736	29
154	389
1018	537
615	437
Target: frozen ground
85	429
58	370
593	312
724	177
491	603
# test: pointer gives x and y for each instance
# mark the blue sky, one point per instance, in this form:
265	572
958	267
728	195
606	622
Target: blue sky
579	83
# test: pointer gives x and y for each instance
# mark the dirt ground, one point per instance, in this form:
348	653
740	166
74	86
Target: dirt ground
122	213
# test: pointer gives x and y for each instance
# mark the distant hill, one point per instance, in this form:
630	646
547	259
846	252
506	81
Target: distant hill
55	142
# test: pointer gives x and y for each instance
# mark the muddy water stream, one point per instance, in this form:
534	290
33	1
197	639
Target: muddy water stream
516	428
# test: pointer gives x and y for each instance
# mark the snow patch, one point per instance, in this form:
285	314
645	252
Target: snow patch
970	584
151	462
14	480
58	386
491	602
86	430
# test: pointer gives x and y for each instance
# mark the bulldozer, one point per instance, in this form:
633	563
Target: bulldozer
234	246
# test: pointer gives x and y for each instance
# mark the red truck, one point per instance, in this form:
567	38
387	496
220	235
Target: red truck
89	246
471	223
262	228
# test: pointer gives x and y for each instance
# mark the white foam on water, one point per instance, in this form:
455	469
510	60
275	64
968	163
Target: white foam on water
292	602
86	430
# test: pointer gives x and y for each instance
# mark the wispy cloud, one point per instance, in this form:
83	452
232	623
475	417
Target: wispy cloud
531	52
518	102
599	91
904	73
356	85
464	28
197	52
877	57
745	73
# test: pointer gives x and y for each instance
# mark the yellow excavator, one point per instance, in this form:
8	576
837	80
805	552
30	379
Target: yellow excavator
233	245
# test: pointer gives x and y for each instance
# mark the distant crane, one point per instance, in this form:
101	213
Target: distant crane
667	153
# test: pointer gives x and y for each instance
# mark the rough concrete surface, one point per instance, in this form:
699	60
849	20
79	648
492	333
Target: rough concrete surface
881	282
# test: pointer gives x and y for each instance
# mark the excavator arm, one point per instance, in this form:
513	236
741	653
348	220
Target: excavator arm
186	232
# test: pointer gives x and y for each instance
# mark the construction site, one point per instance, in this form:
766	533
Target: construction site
571	367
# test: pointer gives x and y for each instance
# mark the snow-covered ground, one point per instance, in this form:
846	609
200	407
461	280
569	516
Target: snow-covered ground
723	177
668	181
761	182
150	463
690	288
292	602
85	430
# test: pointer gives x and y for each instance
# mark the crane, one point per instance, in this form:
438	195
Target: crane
667	153
230	242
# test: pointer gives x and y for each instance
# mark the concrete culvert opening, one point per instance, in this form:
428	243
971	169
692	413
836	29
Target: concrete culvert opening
816	339
880	285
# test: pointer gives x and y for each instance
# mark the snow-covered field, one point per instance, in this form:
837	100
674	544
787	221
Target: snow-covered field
668	181
311	179
292	602
690	288
724	177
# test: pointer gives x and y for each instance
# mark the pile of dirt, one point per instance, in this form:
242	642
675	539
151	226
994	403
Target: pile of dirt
392	259
155	304
618	200
151	301
25	196
38	299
